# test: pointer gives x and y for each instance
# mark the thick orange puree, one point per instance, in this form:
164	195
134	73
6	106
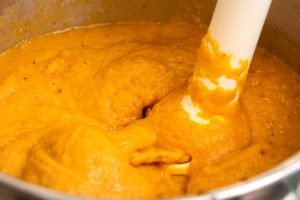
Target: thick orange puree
100	112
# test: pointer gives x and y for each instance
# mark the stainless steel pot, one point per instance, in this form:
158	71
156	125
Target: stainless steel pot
22	19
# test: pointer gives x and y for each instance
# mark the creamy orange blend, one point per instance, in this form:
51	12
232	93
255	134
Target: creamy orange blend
108	112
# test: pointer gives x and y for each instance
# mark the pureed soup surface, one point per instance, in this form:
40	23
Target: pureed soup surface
97	112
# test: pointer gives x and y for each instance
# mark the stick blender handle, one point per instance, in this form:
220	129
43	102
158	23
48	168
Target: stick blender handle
224	56
237	24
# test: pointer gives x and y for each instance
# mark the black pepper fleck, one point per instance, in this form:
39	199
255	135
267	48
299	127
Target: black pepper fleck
262	152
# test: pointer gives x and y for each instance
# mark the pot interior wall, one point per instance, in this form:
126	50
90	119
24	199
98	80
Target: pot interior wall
22	19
